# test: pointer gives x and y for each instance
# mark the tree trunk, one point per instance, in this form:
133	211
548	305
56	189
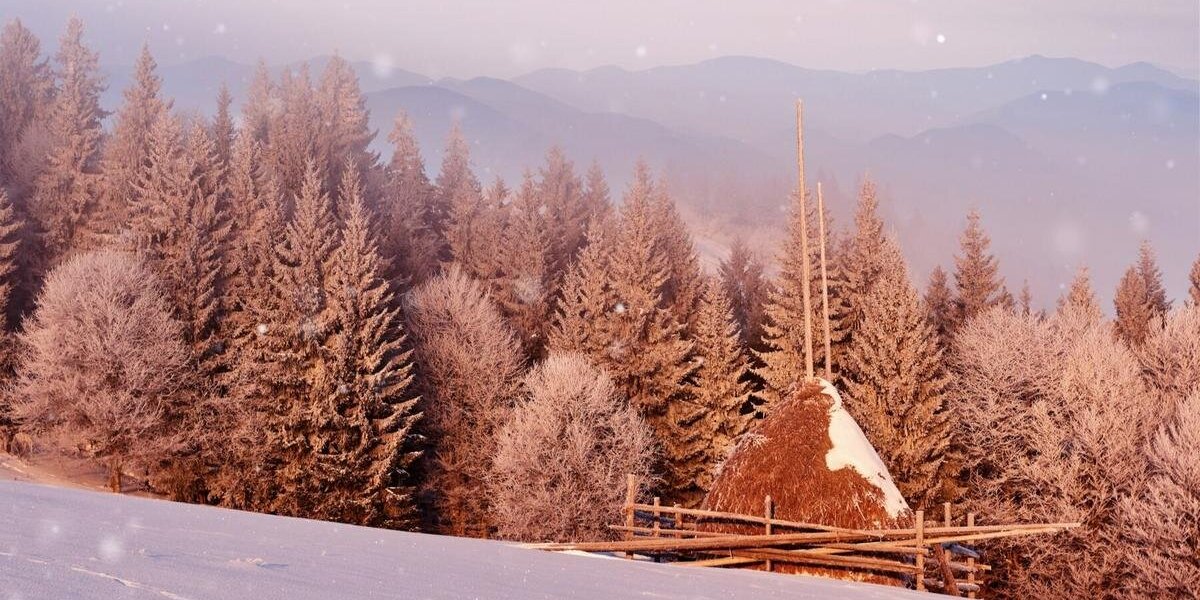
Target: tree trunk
114	475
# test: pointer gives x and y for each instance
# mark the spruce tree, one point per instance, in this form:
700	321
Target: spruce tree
746	286
720	389
460	200
223	131
1080	299
293	132
684	285
280	370
180	228
259	110
64	196
1156	294
363	450
1194	283
783	358
977	281
410	240
568	208
343	137
581	319
26	88
126	152
522	288
1025	300
10	227
896	388
596	194
939	303
1134	308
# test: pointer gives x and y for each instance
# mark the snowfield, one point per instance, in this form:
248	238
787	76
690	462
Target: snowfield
60	543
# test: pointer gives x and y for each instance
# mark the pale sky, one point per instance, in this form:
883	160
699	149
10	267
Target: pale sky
506	38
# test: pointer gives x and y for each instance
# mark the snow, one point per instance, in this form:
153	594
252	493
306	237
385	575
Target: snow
851	449
65	543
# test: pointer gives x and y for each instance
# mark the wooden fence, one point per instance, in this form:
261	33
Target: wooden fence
932	555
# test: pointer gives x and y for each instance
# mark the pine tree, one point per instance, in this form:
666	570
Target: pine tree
1148	270
939	303
596	194
64	195
1080	299
361	452
977	280
410	239
459	208
720	387
125	153
1194	283
896	390
26	88
747	288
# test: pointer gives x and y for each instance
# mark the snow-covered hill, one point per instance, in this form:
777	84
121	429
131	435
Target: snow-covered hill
62	543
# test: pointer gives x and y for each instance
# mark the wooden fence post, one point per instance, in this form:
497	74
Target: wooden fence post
769	512
630	498
657	517
920	550
971	562
947	517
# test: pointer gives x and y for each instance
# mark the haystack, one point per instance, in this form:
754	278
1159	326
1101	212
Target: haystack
812	458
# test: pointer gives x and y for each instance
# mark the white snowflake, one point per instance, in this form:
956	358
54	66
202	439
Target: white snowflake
382	65
261	329
619	308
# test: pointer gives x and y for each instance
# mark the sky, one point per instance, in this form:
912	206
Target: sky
464	38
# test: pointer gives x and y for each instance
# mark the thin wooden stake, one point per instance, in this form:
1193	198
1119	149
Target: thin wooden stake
971	561
808	357
630	499
824	286
769	513
920	544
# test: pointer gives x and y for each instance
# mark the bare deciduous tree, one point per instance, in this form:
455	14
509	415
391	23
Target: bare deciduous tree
563	456
104	358
469	363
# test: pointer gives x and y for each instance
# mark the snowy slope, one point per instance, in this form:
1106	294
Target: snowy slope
851	449
61	543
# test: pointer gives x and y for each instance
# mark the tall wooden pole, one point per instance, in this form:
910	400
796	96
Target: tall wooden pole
824	285
808	357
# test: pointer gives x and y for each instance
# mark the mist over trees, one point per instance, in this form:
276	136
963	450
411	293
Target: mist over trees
257	311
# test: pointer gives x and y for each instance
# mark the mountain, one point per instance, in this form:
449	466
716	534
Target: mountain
1068	161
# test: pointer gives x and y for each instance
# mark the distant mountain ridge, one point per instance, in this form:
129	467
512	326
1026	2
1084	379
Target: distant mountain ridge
1069	161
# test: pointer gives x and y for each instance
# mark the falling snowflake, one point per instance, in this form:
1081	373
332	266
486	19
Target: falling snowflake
219	29
619	308
941	39
1139	223
382	65
261	329
640	51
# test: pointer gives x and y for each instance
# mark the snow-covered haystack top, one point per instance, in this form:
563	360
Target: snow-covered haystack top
812	458
851	449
